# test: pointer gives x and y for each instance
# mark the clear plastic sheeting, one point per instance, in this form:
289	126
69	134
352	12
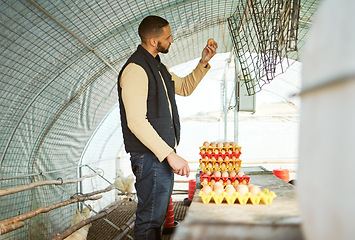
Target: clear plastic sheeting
58	72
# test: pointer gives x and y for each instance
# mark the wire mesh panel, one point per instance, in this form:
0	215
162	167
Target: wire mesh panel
265	36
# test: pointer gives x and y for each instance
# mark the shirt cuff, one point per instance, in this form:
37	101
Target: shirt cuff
206	68
163	153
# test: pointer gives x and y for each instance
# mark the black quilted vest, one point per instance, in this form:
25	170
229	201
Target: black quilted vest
158	113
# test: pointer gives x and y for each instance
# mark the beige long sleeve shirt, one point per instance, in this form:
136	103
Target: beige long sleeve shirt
134	84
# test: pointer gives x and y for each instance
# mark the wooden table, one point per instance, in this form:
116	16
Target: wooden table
280	220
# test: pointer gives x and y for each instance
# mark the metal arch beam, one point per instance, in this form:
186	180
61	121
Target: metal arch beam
71	33
130	24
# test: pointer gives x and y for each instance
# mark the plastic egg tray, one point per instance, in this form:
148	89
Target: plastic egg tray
218	152
263	197
204	176
234	149
217	165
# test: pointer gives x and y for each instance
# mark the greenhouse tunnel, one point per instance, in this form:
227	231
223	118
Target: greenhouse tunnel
59	66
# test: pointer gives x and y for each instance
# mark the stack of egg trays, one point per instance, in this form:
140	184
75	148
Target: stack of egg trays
212	154
263	197
204	176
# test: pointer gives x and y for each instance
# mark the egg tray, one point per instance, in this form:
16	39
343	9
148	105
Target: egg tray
221	148
232	179
263	197
223	156
236	165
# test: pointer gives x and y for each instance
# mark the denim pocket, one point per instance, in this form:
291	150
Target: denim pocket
137	164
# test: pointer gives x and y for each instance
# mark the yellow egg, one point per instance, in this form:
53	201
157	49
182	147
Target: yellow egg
213	182
207	189
216	165
242	189
220	145
213	144
230	190
223	165
233	144
240	173
217	173
230	165
206	144
236	182
221	181
232	173
208	173
254	190
220	159
217	185
203	165
218	191
216	151
230	151
226	158
209	165
226	144
225	174
245	182
203	151
209	151
229	181
205	181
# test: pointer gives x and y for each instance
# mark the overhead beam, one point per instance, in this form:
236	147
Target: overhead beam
71	33
138	20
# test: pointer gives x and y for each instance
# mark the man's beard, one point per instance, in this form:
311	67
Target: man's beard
161	49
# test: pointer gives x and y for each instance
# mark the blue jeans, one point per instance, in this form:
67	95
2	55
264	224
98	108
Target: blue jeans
154	186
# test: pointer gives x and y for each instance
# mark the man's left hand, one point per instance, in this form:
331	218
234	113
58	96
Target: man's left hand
208	52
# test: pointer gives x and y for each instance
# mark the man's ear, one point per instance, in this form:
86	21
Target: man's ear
153	42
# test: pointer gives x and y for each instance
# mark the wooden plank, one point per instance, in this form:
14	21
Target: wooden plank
280	220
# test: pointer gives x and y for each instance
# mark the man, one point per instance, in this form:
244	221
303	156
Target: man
150	122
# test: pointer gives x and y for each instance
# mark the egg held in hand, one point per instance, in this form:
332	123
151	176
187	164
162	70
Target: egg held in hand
212	42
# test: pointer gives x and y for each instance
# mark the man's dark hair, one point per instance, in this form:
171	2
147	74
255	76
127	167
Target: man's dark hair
151	26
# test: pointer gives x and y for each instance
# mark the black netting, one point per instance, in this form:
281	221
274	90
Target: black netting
265	36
